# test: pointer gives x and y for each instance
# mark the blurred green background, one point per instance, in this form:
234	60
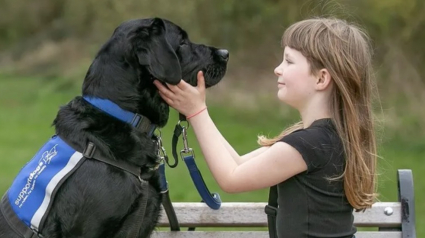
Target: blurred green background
46	47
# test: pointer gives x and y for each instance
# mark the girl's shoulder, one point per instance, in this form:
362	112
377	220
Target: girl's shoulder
319	131
317	143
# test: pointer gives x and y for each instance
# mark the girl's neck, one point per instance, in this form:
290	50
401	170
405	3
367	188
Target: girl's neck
315	111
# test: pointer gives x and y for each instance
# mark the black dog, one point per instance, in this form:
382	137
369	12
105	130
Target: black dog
97	199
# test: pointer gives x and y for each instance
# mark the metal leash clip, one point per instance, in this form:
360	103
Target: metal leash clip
186	149
162	154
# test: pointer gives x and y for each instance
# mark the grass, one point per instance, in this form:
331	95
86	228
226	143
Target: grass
29	105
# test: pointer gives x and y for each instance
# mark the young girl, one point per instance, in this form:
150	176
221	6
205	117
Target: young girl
323	166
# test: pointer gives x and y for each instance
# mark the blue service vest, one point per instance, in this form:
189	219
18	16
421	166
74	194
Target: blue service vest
33	189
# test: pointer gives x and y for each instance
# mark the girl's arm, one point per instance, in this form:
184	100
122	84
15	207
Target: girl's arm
240	159
272	166
259	169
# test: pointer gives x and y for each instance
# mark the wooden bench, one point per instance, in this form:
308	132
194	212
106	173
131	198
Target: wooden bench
392	219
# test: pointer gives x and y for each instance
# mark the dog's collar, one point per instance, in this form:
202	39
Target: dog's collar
136	120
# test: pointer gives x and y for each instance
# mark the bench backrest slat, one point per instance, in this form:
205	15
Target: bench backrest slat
252	215
390	217
254	234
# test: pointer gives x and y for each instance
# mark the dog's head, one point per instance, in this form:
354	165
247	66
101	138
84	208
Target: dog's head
167	52
163	49
142	50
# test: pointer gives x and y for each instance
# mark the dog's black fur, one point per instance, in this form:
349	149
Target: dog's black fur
98	199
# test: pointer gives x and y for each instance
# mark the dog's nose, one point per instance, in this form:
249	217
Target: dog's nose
224	54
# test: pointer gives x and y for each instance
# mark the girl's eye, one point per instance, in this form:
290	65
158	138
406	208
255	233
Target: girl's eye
288	61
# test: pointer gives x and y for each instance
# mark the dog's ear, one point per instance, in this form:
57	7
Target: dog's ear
154	52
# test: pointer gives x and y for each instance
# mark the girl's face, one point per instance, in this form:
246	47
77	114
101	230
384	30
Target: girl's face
295	81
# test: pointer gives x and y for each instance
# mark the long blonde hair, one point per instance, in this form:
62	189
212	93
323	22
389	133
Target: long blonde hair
344	50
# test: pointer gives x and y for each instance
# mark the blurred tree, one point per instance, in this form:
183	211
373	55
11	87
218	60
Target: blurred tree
249	27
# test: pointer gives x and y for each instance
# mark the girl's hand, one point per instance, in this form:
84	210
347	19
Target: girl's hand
183	97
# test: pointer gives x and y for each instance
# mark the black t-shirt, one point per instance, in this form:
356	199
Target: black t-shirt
310	205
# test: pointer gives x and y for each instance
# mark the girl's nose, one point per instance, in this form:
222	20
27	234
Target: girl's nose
278	70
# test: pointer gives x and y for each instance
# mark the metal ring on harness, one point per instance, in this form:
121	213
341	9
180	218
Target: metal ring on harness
162	152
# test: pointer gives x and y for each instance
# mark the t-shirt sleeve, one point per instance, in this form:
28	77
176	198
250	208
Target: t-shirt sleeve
313	145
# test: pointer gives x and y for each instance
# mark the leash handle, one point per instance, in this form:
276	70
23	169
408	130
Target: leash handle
179	129
177	132
213	200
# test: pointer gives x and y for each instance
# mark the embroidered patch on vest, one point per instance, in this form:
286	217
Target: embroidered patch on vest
33	189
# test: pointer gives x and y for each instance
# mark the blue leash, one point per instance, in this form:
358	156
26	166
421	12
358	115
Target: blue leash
213	200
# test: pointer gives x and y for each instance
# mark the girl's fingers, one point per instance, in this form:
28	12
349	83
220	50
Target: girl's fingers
201	81
175	88
182	85
166	99
165	91
159	85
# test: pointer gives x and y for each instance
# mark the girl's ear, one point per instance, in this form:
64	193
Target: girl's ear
324	79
